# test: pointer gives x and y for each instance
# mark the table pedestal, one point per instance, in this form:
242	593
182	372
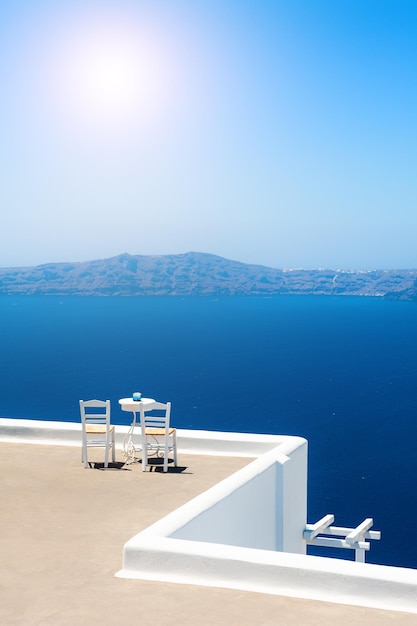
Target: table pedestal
135	407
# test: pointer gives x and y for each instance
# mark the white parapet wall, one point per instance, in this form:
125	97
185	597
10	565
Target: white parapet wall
154	557
262	506
246	532
189	441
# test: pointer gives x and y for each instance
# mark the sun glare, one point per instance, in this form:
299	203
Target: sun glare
110	75
105	78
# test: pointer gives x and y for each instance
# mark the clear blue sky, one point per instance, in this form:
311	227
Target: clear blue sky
278	132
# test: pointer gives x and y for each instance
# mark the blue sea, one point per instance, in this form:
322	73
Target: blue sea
338	371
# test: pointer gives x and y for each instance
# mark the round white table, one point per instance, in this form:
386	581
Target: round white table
135	407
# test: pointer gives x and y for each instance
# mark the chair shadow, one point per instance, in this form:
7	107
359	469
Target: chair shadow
118	466
157	465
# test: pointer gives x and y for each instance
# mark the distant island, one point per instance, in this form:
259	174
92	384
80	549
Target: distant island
199	274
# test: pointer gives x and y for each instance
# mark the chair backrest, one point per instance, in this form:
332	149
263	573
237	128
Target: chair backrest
157	415
95	412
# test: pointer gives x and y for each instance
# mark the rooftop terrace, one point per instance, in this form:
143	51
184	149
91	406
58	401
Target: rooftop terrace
63	531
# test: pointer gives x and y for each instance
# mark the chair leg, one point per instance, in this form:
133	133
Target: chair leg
84	458
175	448
144	456
113	448
166	454
106	456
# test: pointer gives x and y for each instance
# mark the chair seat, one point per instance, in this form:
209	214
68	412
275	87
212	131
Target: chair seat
97	430
159	432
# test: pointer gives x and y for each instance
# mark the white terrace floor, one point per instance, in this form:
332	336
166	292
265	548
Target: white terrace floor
62	533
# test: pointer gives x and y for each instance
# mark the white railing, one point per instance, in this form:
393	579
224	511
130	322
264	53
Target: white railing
323	534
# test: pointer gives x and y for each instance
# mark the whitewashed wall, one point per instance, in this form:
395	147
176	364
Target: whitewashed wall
264	507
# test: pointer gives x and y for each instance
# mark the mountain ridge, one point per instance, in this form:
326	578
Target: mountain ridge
199	273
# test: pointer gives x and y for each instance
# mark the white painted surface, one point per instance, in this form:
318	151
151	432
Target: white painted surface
189	441
244	518
240	511
277	573
292	503
132	405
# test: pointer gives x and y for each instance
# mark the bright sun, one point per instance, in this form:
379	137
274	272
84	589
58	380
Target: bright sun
108	78
110	75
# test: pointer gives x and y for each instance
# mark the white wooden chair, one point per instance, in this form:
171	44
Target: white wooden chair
157	435
97	431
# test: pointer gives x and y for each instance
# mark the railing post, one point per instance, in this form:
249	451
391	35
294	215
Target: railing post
360	555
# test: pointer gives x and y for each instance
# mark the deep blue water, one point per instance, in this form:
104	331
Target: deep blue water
339	371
